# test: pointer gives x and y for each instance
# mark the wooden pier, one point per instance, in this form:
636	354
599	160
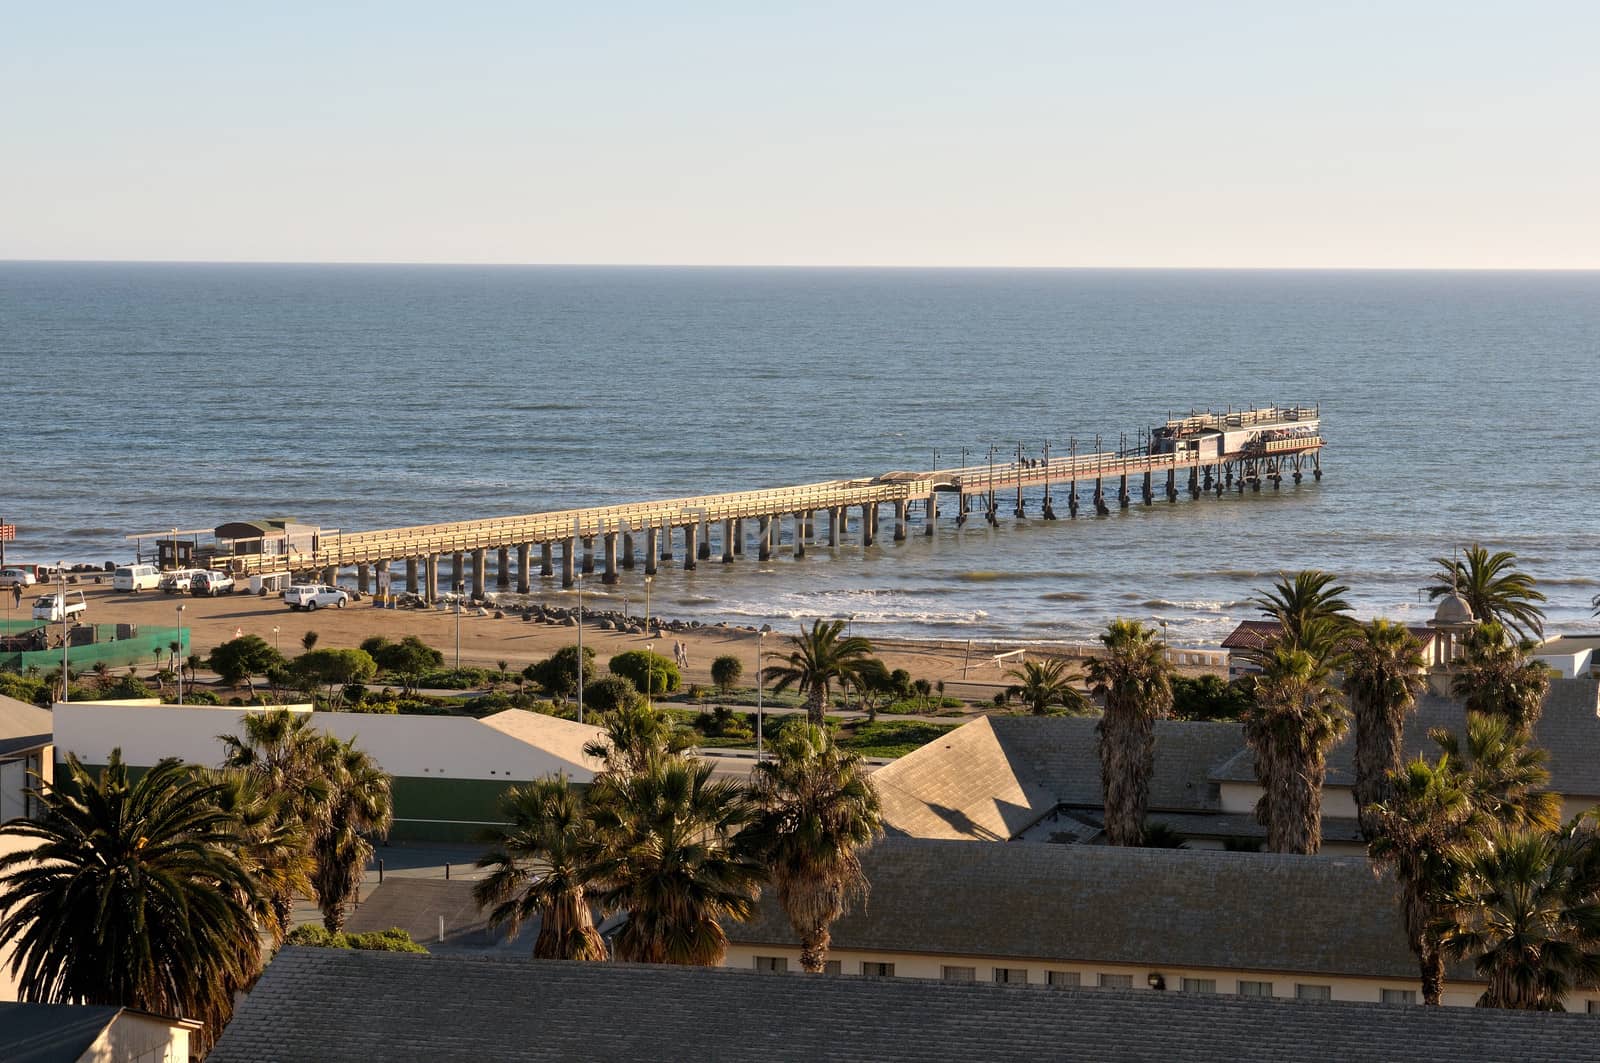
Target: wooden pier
1201	453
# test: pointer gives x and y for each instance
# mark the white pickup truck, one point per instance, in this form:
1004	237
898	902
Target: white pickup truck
50	607
314	596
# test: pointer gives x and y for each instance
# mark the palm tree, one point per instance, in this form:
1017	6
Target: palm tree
1502	774
1295	718
636	736
670	861
1046	683
821	657
818	811
1311	609
1525	910
541	866
288	757
1383	674
1493	588
361	805
1414	831
1135	682
133	894
1495	675
275	845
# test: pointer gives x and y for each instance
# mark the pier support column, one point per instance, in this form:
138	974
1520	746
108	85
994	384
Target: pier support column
1122	492
430	581
868	511
524	577
702	532
547	559
728	541
502	567
1194	482
930	516
900	521
650	551
1172	485
1072	499
411	574
691	549
738	537
1148	494
666	541
330	576
1316	467
364	579
764	539
610	575
1100	507
458	572
588	555
569	547
480	570
627	550
799	535
835	519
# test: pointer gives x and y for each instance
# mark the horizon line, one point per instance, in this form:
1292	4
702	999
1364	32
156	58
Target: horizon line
793	266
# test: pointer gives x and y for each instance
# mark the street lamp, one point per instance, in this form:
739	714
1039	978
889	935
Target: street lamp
647	581
61	581
580	649
180	650
277	641
761	641
649	673
458	632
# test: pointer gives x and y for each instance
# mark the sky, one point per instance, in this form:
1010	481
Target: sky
1066	134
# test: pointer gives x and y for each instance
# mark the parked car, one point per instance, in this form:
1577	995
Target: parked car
313	596
210	583
51	607
179	580
136	578
17	577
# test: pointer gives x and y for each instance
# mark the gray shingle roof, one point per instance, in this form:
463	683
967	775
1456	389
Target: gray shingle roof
1090	903
1569	729
51	1033
333	1005
994	777
416	905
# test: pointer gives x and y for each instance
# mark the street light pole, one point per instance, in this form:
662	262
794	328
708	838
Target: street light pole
61	581
649	674
180	650
647	581
761	641
458	633
580	648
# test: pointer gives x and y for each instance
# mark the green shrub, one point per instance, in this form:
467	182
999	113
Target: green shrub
312	935
609	693
201	697
725	671
33	689
558	674
648	670
127	687
455	678
1207	697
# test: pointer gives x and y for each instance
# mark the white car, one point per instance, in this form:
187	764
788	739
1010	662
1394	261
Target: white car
209	584
17	577
314	596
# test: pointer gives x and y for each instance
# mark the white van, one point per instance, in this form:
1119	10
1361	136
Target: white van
136	578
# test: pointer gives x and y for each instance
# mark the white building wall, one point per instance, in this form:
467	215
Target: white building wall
1338	802
146	732
1284	983
1568	665
140	1039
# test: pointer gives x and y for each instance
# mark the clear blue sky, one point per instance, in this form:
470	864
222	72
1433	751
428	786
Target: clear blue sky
1011	134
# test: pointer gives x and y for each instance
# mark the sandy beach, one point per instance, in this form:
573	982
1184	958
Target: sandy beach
972	674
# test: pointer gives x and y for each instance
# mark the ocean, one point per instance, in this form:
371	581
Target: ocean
1458	407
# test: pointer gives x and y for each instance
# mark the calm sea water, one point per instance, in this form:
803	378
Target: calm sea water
1458	407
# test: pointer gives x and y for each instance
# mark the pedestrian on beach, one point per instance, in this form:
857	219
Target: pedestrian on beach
16	594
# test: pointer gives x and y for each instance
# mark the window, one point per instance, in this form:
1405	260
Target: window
1313	992
877	970
960	974
1255	989
1116	981
772	964
1398	996
1593	1007
1067	978
831	967
1199	985
1011	975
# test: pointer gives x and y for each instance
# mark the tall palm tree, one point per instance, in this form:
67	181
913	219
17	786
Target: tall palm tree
670	860
541	866
1311	609
1495	674
1295	718
1041	684
360	806
133	894
818	811
1502	774
1135	682
1525	910
288	757
1414	830
821	657
1493	587
275	845
636	735
1383	674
